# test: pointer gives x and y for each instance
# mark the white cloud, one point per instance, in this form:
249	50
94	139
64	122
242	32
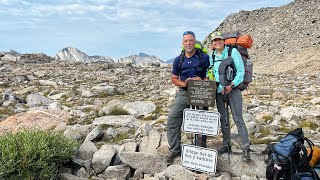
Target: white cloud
88	21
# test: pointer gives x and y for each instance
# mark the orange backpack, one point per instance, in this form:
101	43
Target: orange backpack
315	156
244	41
241	43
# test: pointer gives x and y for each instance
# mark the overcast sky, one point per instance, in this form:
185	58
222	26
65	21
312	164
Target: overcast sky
114	28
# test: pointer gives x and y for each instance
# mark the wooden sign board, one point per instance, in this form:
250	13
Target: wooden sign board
202	93
199	158
201	122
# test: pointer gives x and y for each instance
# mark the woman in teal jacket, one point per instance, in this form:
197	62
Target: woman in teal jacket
230	93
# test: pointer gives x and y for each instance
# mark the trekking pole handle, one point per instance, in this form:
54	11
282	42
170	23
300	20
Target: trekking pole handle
225	95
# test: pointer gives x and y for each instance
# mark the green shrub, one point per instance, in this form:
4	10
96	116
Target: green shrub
158	110
309	124
34	154
150	117
118	111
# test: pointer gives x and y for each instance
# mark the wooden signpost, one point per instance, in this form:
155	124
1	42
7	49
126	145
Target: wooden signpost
200	122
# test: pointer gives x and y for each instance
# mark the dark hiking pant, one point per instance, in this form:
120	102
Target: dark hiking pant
235	103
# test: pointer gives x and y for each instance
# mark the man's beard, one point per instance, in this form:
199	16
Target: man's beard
189	50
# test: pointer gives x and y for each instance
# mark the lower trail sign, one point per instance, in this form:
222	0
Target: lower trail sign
199	158
201	122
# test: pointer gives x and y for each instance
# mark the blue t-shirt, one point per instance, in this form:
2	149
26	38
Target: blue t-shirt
191	67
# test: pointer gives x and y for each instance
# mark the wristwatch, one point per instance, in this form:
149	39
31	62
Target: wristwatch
233	86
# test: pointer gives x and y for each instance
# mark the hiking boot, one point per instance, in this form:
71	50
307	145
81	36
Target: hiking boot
224	149
170	157
246	155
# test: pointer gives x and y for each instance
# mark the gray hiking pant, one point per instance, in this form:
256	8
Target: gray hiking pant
235	103
174	121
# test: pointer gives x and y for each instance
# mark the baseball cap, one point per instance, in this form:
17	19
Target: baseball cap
216	35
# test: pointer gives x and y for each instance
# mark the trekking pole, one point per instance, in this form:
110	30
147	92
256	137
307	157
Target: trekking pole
225	99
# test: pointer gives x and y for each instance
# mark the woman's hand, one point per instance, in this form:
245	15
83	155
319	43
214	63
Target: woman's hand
226	90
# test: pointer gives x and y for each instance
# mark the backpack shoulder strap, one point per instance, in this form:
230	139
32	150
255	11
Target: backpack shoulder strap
230	50
200	54
199	51
213	57
305	157
181	58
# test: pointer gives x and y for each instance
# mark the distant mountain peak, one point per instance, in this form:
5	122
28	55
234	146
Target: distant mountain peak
73	54
143	55
70	48
141	60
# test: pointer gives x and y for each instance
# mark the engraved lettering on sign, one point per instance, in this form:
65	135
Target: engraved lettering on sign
201	93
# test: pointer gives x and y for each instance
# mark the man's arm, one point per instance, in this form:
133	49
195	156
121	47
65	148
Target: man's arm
176	81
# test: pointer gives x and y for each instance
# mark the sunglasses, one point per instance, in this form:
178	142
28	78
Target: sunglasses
217	39
189	32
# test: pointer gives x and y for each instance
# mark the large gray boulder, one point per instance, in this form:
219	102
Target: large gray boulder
123	120
147	163
95	134
297	113
102	158
86	150
256	167
10	58
117	172
139	108
105	89
150	143
36	99
178	172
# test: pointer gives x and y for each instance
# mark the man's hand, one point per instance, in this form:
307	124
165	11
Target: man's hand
194	78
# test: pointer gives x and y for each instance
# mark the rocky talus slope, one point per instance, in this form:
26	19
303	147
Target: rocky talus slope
80	100
286	38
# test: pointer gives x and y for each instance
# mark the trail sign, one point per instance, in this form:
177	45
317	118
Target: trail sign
199	158
201	93
201	122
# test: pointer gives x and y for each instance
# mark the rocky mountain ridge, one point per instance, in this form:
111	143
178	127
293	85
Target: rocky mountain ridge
142	59
286	38
74	54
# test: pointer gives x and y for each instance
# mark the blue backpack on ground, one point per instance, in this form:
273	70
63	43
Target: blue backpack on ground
289	160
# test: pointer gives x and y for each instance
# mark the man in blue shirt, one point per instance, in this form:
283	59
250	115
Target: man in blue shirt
193	67
229	93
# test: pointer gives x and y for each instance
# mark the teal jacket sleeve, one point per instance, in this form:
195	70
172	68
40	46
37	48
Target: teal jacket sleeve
239	67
